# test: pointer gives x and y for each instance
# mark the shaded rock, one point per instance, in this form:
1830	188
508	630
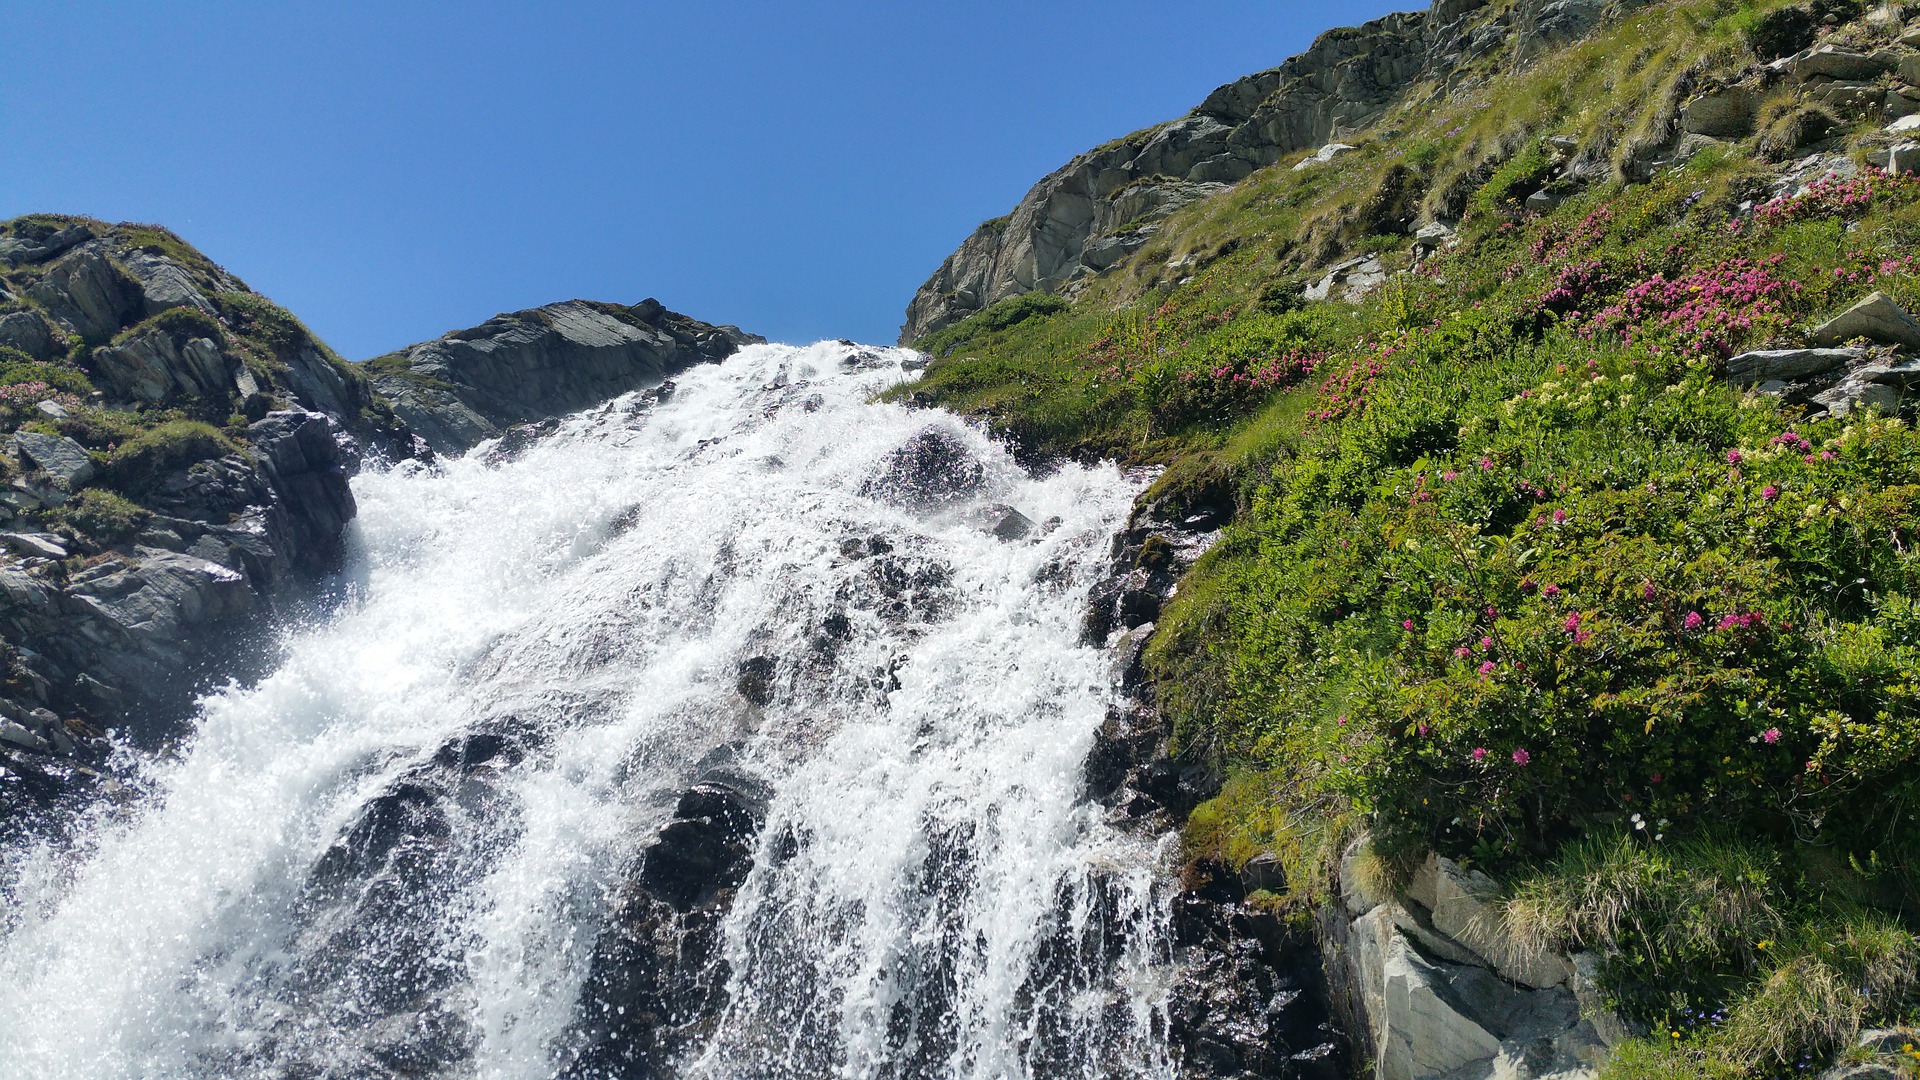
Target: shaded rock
29	332
1786	365
301	455
88	294
61	458
1013	525
1725	114
754	679
164	283
1876	318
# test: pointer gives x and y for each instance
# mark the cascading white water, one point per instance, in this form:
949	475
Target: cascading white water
330	880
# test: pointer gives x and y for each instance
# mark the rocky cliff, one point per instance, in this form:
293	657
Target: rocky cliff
471	385
1096	210
177	450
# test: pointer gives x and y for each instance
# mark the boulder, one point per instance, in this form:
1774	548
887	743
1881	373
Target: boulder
1786	365
29	332
1905	125
34	545
164	283
61	458
1432	236
1724	114
1876	318
1013	525
1850	98
1833	62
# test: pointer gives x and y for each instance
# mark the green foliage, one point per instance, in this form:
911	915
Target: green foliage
104	516
1012	311
150	454
181	323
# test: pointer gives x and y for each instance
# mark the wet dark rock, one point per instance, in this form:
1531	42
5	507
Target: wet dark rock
754	680
931	470
1012	524
656	982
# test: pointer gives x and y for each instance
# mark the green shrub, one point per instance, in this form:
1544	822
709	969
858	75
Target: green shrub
104	516
995	318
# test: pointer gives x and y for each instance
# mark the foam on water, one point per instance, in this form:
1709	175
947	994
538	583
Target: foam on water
931	895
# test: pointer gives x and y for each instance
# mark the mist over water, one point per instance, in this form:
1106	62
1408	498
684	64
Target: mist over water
395	856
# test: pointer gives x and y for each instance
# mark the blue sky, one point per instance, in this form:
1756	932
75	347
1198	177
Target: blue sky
393	170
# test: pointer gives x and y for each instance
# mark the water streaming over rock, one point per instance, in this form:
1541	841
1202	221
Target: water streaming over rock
735	731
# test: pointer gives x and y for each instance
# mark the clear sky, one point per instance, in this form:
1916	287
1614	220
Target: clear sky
396	169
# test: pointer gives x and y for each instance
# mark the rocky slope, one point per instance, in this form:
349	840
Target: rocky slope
1106	204
178	449
471	385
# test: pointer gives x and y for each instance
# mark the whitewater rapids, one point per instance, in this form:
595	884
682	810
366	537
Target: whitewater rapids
944	902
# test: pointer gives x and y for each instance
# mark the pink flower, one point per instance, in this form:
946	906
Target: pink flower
1492	612
1559	516
1407	624
1729	622
1463	652
1573	622
1422	730
1734	457
1479	753
1521	757
1485	464
1486	668
1550	590
1647	592
1692	621
1448	475
1343	721
1486	643
1770	493
1771	735
1580	637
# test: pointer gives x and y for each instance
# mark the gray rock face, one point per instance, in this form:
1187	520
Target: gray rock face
1834	62
1444	992
1876	318
157	365
471	385
88	294
1100	208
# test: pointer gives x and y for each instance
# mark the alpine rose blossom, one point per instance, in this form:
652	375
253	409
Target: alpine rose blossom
1771	735
1479	753
1521	757
1693	621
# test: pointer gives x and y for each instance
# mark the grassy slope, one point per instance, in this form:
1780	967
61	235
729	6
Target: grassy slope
1516	575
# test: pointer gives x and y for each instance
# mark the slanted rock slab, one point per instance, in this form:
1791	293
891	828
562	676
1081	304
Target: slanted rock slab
1786	365
1876	318
61	458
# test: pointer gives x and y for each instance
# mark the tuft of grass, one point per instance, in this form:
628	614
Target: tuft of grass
104	516
150	454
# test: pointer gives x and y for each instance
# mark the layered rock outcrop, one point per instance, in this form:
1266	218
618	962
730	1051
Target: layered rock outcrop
1105	204
1437	987
471	385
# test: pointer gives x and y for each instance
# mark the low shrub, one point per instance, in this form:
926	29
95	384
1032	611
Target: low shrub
151	454
104	516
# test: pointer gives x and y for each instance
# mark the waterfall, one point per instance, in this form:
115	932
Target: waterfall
841	636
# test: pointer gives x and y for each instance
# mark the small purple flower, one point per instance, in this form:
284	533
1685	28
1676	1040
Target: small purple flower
1406	624
1521	757
1550	590
1693	620
1770	493
1449	475
1734	457
1647	592
1486	643
1486	668
1559	517
1770	736
1479	753
1463	652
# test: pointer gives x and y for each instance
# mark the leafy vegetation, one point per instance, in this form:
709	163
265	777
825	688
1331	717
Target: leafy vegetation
1516	574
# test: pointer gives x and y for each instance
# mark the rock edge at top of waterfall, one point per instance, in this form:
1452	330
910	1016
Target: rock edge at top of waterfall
468	386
